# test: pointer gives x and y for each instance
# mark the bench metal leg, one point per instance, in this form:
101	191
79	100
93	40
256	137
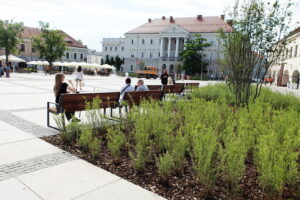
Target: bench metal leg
48	118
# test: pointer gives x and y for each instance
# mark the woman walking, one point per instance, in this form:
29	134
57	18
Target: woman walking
7	70
79	78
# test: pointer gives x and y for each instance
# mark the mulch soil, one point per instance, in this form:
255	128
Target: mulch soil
177	187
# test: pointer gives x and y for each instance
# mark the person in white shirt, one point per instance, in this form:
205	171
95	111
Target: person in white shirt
141	86
79	78
126	88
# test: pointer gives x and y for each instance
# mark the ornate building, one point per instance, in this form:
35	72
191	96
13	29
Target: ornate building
160	41
286	70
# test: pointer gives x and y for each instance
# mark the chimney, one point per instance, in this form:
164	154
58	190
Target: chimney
230	22
199	17
163	17
223	17
149	20
171	19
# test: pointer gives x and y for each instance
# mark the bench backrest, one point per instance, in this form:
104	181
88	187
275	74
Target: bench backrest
77	102
150	87
136	97
174	89
191	85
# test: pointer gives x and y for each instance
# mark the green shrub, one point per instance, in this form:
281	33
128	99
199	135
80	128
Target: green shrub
165	165
85	138
204	154
72	132
94	147
116	140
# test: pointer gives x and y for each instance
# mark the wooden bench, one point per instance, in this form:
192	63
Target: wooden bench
177	88
77	102
151	87
136	97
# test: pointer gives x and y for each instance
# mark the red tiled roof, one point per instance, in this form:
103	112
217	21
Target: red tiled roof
191	24
30	32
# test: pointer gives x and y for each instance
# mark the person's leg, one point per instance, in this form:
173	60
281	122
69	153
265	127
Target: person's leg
76	84
80	84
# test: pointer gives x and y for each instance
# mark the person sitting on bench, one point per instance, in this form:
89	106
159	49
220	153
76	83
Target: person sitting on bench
126	88
141	86
60	87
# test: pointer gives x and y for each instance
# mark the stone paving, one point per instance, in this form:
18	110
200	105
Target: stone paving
31	168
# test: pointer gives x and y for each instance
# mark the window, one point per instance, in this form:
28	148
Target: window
75	56
22	48
131	67
291	52
122	48
131	41
81	56
32	50
67	55
150	54
142	54
296	51
110	48
105	48
287	53
132	56
116	48
151	41
158	54
143	41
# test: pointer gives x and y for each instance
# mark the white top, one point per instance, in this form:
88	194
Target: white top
123	90
79	76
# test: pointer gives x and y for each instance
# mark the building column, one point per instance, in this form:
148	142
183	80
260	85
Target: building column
177	47
184	43
169	48
161	47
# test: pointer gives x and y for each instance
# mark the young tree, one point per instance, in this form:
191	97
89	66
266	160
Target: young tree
254	45
193	55
102	61
50	43
112	61
107	60
10	36
118	63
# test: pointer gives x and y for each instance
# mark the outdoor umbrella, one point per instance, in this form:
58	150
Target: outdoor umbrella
11	58
106	66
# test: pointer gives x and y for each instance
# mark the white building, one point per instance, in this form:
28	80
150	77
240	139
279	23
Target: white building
94	56
286	70
160	41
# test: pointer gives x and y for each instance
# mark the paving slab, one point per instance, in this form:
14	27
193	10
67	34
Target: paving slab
11	134
26	149
120	190
68	180
13	189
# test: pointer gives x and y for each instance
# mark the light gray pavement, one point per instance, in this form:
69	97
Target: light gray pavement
31	168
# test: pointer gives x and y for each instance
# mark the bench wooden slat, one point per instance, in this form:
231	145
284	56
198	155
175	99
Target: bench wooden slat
136	97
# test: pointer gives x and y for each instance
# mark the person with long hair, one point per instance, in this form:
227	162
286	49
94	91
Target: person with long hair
60	87
79	78
164	77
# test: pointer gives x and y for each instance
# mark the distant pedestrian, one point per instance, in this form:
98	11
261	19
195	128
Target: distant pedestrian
79	78
1	70
164	77
7	70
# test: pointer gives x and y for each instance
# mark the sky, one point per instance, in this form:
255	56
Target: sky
92	20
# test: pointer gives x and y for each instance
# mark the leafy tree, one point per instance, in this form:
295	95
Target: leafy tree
102	61
193	55
10	36
112	61
107	60
50	43
118	62
254	45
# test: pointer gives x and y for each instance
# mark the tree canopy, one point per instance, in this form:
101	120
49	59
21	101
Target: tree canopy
193	55
50	43
256	42
10	36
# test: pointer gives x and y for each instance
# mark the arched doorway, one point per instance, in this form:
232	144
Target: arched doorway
295	79
285	78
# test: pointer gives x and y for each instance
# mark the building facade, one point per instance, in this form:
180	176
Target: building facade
285	71
94	56
160	41
76	51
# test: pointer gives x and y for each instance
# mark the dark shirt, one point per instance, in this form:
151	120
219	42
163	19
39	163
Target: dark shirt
62	90
164	79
